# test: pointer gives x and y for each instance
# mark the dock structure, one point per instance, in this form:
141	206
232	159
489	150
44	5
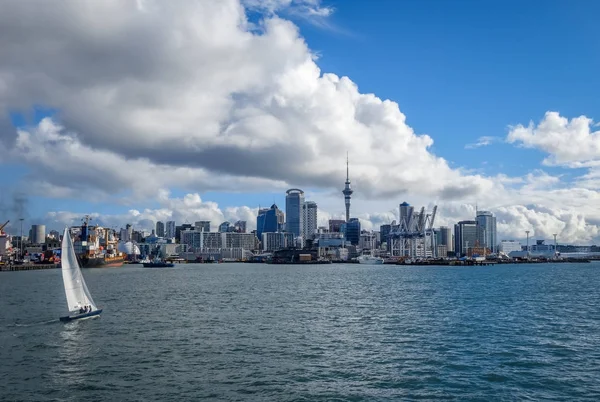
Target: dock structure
26	267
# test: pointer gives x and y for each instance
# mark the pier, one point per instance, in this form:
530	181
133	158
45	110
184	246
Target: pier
26	267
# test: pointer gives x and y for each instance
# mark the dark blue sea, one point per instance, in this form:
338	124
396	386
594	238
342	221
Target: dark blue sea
249	332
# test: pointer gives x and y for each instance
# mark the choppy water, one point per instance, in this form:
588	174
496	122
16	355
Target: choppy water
306	333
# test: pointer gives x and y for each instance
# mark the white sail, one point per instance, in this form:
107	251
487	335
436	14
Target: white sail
76	290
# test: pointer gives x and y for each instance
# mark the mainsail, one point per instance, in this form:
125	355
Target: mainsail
76	290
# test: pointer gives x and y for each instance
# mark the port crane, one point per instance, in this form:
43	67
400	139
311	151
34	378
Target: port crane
3	226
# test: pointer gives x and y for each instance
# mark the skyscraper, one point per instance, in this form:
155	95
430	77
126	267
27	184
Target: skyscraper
406	215
444	238
486	230
465	236
224	227
269	220
294	200
160	229
170	229
352	230
347	190
309	219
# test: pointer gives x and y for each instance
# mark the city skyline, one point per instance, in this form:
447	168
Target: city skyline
448	111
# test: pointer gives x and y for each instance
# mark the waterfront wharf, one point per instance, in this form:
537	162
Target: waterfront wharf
26	267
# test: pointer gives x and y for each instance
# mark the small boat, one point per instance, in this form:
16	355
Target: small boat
369	259
158	263
79	300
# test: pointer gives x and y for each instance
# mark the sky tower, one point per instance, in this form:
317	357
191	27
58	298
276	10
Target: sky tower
347	190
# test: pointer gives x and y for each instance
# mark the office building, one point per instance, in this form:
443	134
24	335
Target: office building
160	229
465	237
444	237
406	215
486	230
309	219
294	200
352	231
384	232
170	229
269	220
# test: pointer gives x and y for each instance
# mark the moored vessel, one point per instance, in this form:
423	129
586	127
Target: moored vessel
157	263
96	247
369	259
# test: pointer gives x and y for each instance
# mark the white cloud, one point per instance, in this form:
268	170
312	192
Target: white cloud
206	95
153	95
569	143
482	142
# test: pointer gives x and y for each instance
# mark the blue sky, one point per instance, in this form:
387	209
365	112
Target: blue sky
465	69
459	70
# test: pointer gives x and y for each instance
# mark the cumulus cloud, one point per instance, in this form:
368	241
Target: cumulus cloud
571	143
188	85
152	95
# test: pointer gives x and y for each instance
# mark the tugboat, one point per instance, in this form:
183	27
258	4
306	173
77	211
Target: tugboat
96	247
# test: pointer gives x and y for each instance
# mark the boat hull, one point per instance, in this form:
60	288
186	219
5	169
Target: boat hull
101	262
68	318
371	261
158	265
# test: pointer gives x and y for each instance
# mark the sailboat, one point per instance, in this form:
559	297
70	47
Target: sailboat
79	299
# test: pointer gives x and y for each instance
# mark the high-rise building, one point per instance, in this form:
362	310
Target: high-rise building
309	219
444	237
273	241
170	229
352	230
269	220
203	226
335	225
384	231
294	200
486	230
347	190
406	215
240	227
465	237
224	227
179	229
38	234
160	229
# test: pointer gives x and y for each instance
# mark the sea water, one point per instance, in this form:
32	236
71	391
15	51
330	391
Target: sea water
252	332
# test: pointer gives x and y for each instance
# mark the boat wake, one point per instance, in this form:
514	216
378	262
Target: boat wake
32	324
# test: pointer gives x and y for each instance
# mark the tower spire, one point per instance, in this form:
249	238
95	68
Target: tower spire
347	189
347	168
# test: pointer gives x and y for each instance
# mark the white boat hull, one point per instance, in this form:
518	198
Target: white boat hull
370	260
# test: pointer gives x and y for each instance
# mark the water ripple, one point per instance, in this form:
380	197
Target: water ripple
235	332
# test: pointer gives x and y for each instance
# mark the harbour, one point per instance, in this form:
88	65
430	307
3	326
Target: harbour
291	332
